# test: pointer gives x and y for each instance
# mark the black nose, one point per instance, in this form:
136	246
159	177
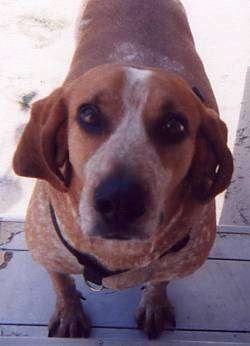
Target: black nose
120	199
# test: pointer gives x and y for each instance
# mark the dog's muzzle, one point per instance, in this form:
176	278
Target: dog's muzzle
120	200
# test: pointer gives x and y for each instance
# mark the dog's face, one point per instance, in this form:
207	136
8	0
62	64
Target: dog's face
135	140
131	143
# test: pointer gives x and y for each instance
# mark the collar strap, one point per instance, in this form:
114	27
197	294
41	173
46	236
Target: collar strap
199	94
93	271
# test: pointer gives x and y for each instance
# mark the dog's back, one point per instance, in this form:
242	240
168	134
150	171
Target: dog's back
142	33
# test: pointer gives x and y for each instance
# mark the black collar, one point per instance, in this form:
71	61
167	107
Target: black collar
199	94
93	271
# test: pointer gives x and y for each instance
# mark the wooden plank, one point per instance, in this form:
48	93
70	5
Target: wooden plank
236	209
231	246
131	335
46	342
233	229
89	342
215	298
17	243
232	242
23	331
227	246
12	235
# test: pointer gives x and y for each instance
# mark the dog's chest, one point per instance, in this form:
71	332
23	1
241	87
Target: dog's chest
42	240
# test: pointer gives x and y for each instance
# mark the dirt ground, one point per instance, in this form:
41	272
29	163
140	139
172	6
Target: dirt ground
36	45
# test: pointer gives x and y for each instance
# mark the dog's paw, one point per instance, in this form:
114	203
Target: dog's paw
152	317
69	322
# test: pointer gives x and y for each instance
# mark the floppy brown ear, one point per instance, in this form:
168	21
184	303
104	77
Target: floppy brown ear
212	166
43	145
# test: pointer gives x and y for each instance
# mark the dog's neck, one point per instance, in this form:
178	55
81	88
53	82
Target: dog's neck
191	230
142	252
94	272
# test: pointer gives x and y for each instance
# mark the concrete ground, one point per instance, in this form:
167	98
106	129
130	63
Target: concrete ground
36	45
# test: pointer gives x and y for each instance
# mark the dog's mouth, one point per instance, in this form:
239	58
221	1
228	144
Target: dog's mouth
116	236
117	232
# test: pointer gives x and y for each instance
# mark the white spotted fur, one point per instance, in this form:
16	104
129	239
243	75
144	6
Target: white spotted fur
135	54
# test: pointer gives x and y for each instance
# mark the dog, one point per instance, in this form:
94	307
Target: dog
129	154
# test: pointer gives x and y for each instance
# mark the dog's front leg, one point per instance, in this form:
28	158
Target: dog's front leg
69	319
155	310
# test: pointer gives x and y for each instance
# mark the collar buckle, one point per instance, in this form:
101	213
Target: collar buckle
93	287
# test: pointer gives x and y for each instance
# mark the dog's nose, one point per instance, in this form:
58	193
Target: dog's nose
120	199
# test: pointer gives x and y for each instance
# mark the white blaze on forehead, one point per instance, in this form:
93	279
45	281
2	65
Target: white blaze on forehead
131	131
137	74
136	87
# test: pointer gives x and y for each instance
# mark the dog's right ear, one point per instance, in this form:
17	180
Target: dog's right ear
212	166
44	142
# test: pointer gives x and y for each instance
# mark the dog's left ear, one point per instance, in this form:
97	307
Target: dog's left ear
42	149
212	165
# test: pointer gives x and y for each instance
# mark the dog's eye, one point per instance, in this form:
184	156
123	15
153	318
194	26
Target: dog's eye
172	129
90	118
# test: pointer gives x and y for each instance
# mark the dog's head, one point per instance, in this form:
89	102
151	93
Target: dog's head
135	141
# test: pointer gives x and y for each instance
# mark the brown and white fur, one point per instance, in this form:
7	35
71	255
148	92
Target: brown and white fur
136	61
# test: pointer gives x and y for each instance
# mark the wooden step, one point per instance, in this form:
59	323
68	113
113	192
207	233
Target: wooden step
110	342
212	306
